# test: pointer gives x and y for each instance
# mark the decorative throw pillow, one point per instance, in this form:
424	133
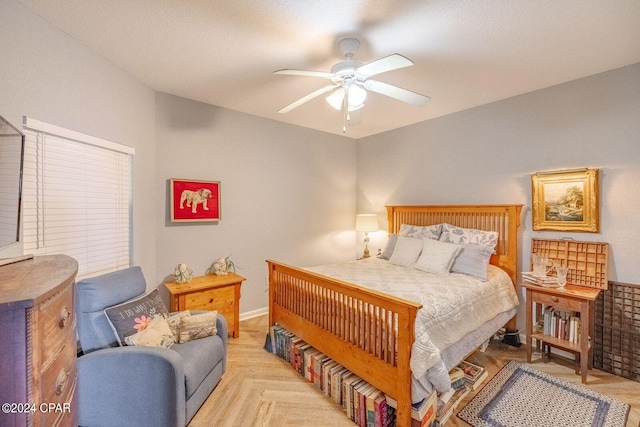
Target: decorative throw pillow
421	231
473	260
437	257
134	316
389	247
453	234
198	326
156	334
406	252
174	322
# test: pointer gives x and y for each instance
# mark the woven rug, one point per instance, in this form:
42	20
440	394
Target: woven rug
520	396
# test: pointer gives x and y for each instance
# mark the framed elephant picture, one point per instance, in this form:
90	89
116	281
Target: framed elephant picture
194	201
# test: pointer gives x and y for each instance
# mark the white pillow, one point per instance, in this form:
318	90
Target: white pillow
389	247
406	252
437	257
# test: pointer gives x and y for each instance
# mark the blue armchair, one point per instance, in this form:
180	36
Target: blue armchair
139	386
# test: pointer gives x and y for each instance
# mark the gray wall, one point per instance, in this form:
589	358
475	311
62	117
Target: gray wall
487	155
287	193
46	75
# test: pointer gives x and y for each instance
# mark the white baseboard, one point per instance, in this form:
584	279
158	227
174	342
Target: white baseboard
254	313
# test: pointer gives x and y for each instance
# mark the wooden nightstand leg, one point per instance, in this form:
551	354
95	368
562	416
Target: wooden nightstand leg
529	327
584	339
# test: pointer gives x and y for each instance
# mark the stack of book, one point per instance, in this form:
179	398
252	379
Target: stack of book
546	281
363	403
564	325
474	375
448	402
465	377
423	414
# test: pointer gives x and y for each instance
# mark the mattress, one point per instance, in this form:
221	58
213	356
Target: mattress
458	311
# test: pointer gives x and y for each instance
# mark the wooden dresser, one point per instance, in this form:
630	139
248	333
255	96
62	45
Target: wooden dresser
38	356
221	293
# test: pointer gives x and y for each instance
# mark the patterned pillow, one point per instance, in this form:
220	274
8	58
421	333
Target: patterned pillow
156	334
421	231
437	257
133	316
453	234
198	326
406	252
174	320
473	260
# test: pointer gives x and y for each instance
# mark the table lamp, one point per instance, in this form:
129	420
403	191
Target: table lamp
366	223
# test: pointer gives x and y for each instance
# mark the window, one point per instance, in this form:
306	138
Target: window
77	198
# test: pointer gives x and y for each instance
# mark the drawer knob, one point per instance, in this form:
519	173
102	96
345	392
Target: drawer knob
555	299
65	315
61	381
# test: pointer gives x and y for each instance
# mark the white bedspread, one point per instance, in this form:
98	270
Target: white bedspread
452	305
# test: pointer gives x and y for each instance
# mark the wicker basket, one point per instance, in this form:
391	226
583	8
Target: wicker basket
617	331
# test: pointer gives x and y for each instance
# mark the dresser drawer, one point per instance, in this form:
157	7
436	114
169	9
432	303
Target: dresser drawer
558	301
58	384
57	323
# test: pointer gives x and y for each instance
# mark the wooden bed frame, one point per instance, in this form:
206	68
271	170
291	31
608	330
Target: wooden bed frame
369	332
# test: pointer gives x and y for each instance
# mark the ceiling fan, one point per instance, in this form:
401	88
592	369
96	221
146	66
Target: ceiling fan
350	81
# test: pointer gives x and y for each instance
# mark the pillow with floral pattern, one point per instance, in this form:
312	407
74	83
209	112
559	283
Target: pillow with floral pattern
134	315
421	231
459	235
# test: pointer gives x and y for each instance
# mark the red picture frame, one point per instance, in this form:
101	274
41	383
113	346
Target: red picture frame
194	200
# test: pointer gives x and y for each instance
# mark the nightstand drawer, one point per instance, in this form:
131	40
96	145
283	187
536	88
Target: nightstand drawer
213	299
556	300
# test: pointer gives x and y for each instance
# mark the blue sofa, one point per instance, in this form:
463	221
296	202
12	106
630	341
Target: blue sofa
138	386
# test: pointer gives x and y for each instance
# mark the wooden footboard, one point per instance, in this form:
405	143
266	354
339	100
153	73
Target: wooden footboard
368	332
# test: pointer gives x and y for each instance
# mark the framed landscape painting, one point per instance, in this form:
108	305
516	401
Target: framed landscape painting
566	200
194	201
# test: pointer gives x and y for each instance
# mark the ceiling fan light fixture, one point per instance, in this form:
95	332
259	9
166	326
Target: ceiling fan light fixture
357	95
335	99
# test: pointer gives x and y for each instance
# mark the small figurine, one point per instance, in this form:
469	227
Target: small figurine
221	266
182	273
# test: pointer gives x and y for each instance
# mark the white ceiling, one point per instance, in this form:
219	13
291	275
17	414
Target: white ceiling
466	52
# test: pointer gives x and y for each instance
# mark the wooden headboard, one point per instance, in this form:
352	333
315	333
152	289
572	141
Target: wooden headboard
504	219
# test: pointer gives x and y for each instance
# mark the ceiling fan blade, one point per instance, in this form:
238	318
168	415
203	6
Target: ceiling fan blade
305	73
396	92
307	98
382	65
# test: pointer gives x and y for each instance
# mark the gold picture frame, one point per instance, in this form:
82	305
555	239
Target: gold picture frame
566	200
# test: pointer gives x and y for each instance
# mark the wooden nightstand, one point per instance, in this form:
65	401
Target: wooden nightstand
221	293
578	299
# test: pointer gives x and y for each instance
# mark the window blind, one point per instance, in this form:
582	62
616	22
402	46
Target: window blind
77	198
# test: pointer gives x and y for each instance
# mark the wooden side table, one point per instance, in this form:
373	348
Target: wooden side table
578	299
221	293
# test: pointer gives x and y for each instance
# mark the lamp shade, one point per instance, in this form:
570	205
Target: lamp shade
367	223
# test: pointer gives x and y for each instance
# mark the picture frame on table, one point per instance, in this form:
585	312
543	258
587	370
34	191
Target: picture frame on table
194	200
566	200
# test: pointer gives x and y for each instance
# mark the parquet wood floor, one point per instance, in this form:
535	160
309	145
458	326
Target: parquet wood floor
259	389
